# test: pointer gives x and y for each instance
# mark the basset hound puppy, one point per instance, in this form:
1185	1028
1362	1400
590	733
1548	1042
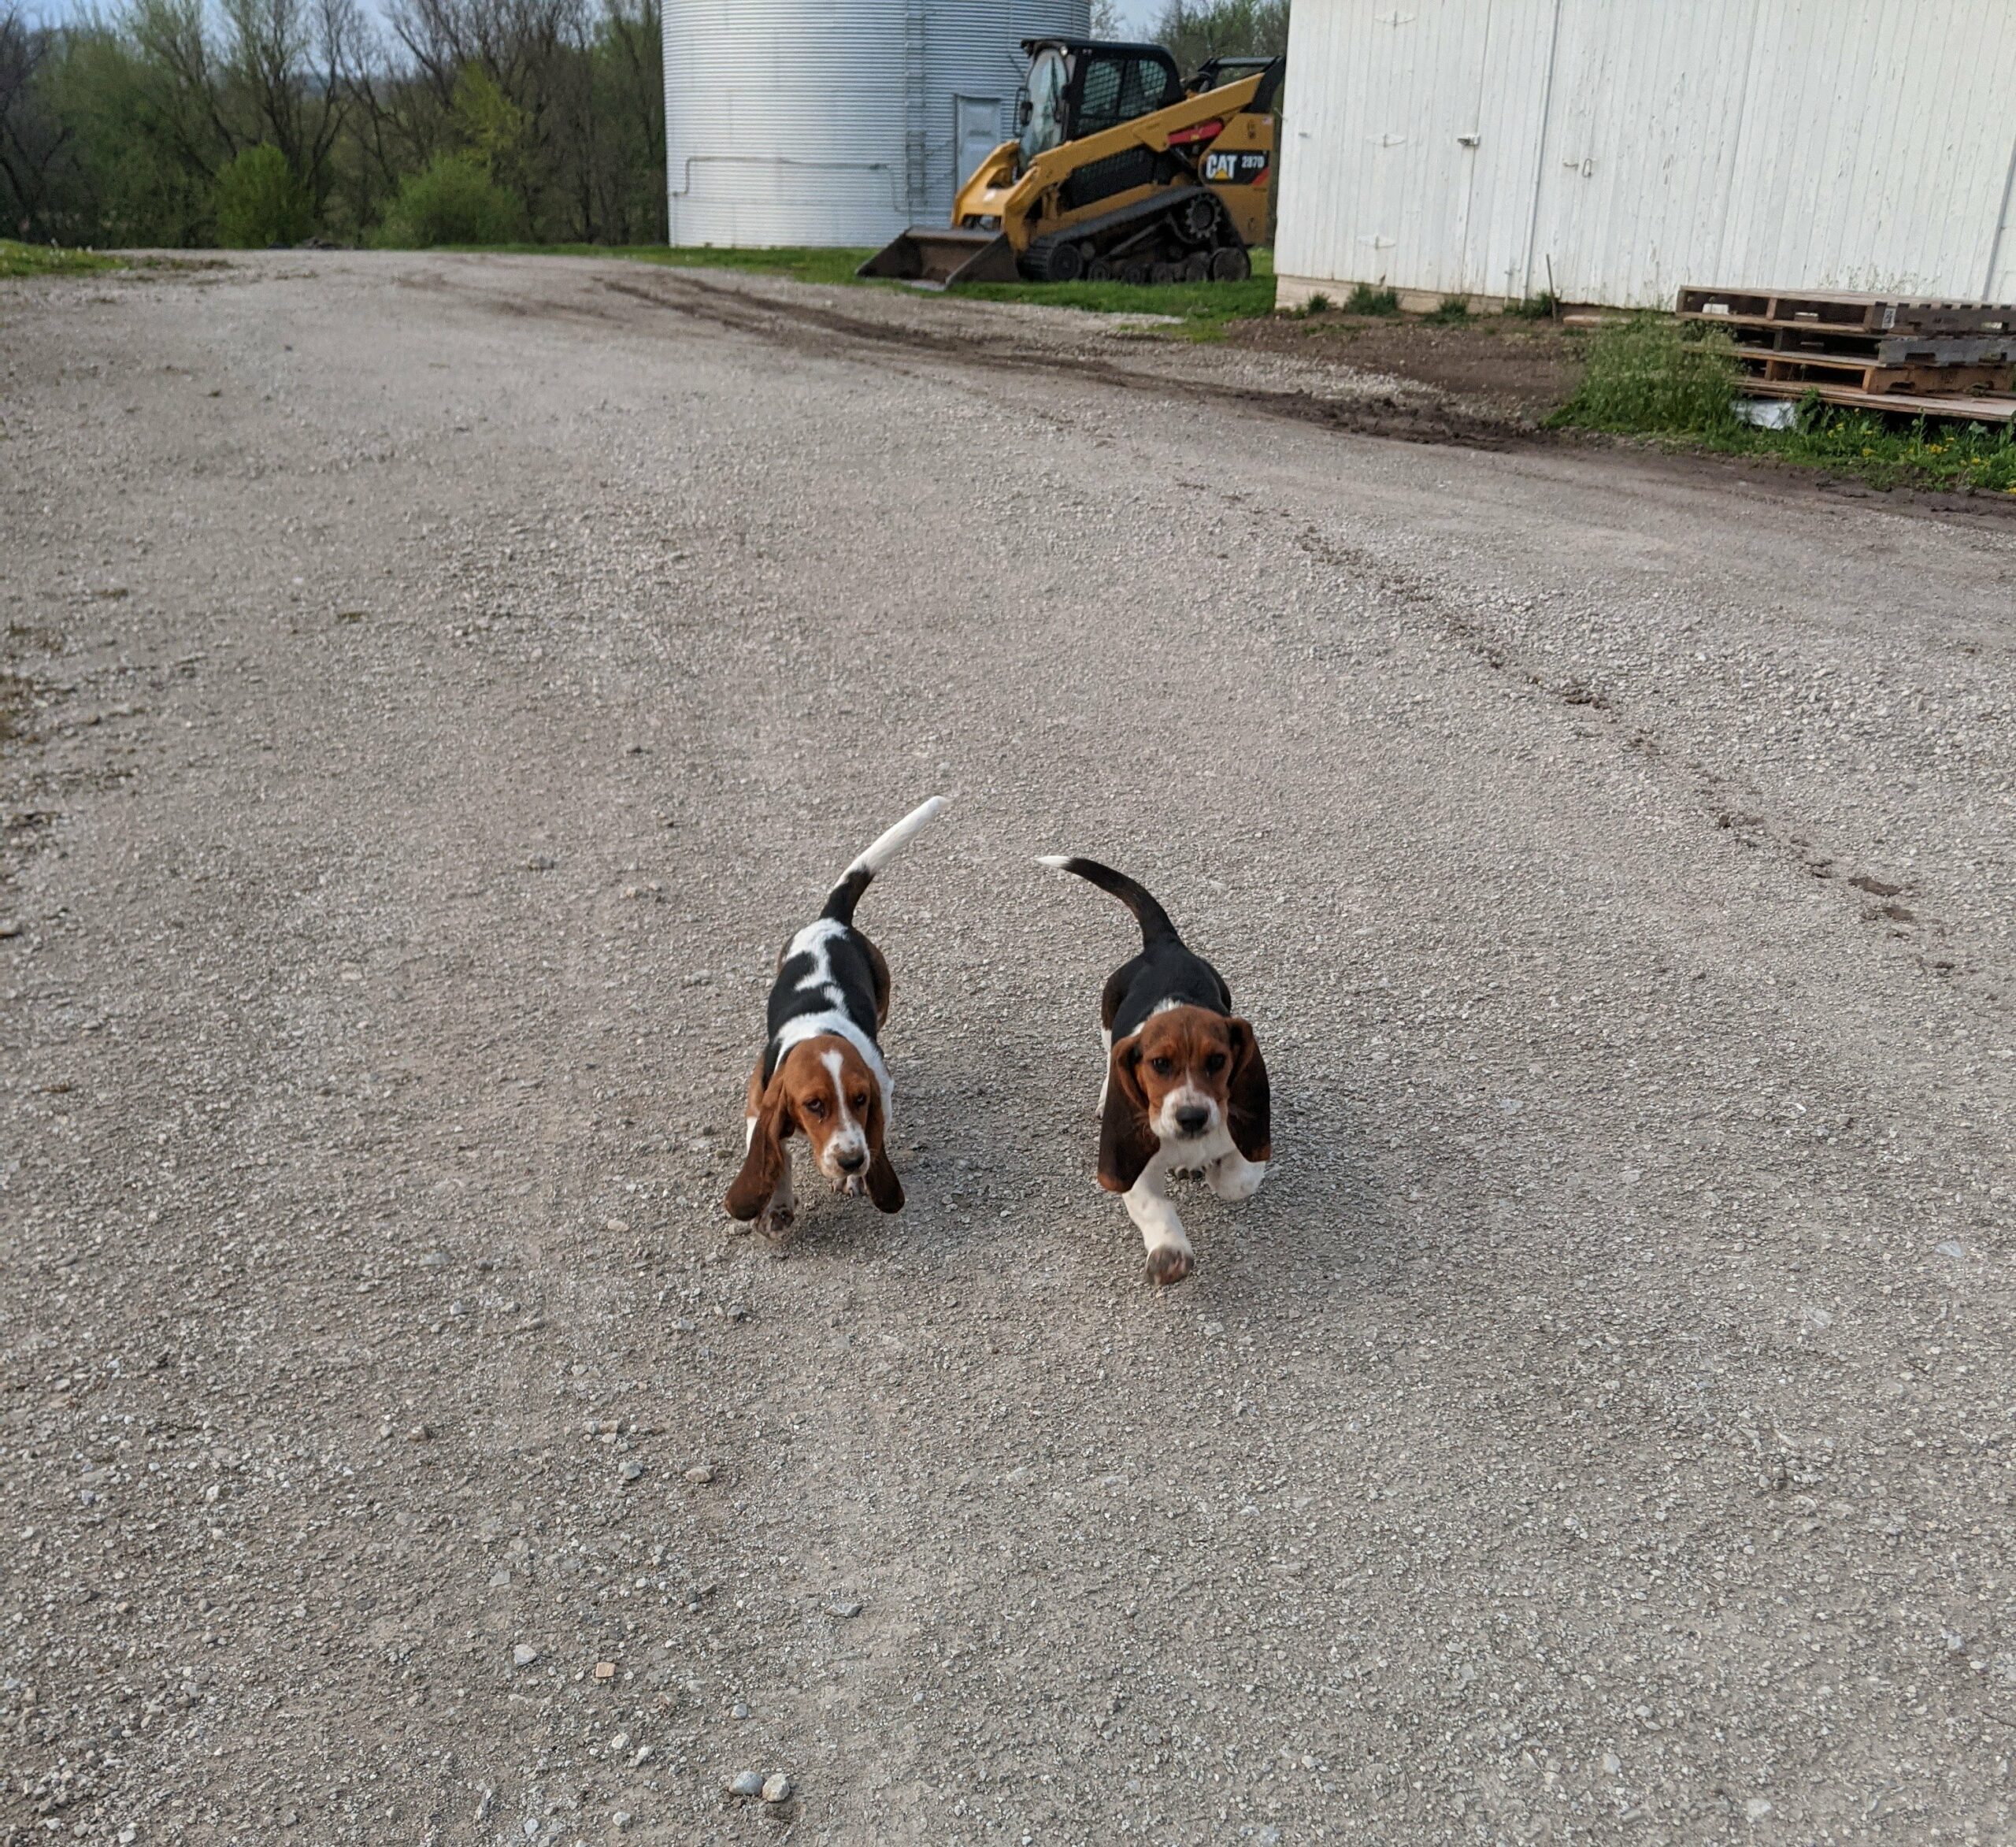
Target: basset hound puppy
822	1073
1185	1089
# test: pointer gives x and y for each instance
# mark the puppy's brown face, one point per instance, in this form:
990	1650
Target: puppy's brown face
823	1086
828	1090
1183	1061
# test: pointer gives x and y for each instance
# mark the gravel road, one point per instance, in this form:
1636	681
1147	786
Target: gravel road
438	686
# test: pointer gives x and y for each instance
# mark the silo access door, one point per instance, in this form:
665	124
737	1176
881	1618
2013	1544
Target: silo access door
976	134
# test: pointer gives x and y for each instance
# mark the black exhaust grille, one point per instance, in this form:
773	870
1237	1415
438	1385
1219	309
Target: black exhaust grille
1117	173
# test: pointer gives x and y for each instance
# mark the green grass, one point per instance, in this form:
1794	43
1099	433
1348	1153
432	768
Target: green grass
44	259
1203	307
1887	452
1652	376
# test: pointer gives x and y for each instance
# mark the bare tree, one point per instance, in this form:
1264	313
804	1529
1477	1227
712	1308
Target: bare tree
32	140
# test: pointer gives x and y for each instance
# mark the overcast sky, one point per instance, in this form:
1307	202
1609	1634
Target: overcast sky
1138	17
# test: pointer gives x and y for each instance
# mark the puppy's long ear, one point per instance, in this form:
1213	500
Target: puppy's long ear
1248	1114
763	1166
1126	1142
883	1187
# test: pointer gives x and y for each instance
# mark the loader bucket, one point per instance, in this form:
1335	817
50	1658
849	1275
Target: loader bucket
936	255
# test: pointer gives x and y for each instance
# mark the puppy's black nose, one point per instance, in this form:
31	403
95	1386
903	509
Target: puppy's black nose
1190	1120
852	1163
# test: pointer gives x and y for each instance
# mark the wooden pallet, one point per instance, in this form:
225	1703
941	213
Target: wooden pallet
1752	333
1993	409
1860	374
1871	313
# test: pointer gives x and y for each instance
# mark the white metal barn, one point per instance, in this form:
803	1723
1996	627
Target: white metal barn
833	122
1610	150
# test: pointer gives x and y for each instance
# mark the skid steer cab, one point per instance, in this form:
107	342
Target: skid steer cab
1122	173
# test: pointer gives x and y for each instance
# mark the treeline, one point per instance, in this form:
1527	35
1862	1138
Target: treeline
1223	28
257	122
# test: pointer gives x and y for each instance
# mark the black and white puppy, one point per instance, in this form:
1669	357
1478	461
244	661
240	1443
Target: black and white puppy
822	1073
1185	1089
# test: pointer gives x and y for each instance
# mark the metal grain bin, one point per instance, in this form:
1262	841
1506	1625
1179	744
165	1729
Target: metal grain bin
795	122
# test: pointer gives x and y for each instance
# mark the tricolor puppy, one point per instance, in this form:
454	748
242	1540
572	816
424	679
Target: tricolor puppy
1185	1090
822	1072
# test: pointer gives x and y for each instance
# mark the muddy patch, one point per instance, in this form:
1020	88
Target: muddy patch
1523	369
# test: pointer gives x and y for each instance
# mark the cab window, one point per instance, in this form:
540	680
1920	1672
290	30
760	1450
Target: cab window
1116	90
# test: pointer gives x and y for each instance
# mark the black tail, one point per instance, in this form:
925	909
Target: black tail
844	896
1155	926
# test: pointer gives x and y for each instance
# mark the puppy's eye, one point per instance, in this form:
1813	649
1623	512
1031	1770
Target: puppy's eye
859	1099
816	1106
1161	1067
1215	1062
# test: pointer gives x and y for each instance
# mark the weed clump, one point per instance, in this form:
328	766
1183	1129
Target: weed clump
1365	299
1887	453
1653	376
1318	303
1449	311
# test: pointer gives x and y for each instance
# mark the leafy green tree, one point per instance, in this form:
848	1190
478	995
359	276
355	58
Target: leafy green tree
129	127
261	200
1196	32
491	124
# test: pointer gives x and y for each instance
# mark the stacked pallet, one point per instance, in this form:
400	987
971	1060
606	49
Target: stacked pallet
1922	356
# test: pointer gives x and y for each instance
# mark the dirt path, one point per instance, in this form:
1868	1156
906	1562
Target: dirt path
444	682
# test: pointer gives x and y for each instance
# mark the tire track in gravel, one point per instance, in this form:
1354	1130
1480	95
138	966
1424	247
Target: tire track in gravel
798	323
1730	799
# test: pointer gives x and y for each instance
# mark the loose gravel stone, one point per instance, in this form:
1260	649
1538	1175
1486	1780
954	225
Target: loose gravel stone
776	1789
747	1782
524	1654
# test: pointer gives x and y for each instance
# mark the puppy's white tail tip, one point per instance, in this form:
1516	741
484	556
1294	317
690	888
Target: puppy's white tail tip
1058	862
887	847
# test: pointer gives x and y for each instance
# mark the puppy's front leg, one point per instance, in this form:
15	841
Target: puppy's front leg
1161	1231
1233	1176
776	1216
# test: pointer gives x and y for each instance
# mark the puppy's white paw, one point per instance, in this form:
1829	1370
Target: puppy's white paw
1169	1263
1235	1177
774	1221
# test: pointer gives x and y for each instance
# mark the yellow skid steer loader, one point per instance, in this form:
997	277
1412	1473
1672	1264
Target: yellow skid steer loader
1122	173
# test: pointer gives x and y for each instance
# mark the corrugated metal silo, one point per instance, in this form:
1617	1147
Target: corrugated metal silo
813	122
